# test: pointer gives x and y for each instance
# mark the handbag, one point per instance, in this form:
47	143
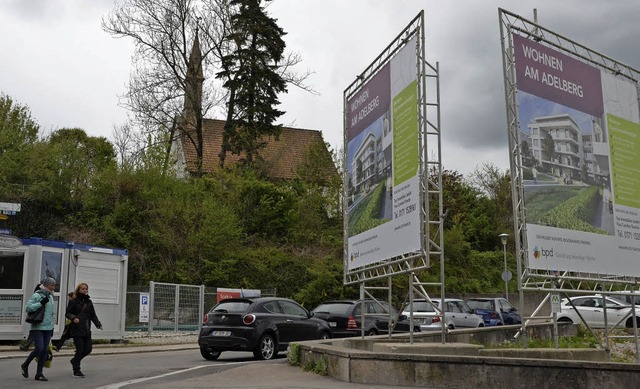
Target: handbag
35	317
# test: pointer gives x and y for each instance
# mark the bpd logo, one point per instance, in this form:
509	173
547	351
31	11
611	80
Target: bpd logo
537	253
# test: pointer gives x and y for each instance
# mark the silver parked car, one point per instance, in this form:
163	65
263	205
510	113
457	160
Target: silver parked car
457	314
591	309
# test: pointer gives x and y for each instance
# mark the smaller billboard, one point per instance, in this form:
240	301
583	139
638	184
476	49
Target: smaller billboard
383	163
229	293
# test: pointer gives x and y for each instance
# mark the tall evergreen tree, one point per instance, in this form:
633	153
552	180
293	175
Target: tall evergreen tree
250	73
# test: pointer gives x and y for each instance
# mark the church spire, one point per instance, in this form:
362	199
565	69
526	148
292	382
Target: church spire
193	79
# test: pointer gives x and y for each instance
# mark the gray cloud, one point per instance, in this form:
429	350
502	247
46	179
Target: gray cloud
58	61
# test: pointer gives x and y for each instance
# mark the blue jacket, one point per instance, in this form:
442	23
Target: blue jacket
34	303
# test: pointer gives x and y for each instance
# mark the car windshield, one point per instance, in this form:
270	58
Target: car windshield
480	304
333	308
420	306
232	307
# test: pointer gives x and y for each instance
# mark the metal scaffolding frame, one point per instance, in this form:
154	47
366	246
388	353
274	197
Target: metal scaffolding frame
430	168
569	282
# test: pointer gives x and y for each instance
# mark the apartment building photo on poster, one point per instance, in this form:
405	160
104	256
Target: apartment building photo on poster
579	127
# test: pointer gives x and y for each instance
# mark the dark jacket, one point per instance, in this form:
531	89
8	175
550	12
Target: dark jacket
81	307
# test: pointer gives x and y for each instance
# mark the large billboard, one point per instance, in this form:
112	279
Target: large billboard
579	136
382	143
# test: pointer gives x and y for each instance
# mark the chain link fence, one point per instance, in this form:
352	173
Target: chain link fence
170	307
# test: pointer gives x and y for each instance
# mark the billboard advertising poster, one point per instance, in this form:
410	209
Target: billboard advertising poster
383	192
579	135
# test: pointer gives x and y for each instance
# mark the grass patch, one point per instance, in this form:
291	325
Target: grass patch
539	202
293	355
365	215
583	339
568	208
319	366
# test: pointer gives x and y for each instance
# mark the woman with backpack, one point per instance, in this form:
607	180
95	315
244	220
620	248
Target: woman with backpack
40	332
81	313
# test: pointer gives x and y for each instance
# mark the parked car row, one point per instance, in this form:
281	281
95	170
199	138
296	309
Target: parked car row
266	325
475	312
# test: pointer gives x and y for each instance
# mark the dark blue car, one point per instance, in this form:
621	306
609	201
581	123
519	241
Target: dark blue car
495	311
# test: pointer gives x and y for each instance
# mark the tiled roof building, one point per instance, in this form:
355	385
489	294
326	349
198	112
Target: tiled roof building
280	158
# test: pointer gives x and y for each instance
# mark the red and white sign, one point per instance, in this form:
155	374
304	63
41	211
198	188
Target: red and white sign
228	293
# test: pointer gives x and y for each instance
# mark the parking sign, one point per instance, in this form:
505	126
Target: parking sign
144	308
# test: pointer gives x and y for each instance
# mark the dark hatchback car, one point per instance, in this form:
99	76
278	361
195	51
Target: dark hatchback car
495	311
344	318
262	325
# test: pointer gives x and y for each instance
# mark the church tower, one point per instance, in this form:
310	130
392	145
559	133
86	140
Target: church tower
193	84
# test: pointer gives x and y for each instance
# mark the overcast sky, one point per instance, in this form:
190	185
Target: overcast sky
56	59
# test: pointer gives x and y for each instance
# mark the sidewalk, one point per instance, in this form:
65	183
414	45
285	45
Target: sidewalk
7	352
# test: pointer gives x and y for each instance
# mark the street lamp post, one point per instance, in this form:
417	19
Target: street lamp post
505	275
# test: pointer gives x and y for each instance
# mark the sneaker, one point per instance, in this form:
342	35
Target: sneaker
25	370
78	374
41	377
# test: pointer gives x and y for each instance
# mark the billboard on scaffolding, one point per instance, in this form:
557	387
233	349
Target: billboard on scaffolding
578	136
383	154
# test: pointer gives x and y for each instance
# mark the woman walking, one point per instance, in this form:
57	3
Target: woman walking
41	332
81	313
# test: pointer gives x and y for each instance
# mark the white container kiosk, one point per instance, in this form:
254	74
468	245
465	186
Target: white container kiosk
23	263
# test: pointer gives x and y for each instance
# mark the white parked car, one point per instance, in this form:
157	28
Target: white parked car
592	310
457	314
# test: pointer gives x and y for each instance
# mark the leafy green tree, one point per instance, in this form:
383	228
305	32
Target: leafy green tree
175	230
17	128
496	185
18	134
250	73
76	157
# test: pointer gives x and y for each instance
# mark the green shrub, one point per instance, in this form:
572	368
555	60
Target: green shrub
293	355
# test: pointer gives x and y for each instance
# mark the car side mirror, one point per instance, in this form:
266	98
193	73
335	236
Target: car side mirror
514	310
403	317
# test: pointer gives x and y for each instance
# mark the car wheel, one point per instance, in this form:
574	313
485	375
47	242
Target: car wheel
325	335
629	323
209	354
451	327
480	325
372	332
266	348
565	320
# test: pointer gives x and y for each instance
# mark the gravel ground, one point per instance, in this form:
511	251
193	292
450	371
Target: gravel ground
139	337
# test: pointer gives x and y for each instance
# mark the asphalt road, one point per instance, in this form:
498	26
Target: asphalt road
172	369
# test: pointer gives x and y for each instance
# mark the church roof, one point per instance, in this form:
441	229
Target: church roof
283	157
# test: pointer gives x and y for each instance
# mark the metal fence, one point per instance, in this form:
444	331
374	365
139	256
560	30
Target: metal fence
171	307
